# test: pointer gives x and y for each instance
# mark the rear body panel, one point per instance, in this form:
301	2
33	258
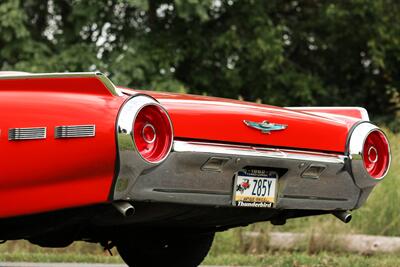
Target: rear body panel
222	120
56	173
213	145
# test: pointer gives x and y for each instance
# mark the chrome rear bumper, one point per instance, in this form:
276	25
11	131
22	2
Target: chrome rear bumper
203	174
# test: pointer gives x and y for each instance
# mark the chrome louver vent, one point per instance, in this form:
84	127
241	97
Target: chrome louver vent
27	133
75	131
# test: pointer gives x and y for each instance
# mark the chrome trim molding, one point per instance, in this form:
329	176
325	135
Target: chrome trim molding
355	151
132	164
26	133
223	149
75	131
13	73
25	75
154	132
363	111
126	118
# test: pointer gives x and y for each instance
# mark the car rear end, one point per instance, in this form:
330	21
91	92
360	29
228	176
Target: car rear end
271	178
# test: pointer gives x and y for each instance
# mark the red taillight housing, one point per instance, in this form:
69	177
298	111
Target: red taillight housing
376	154
152	133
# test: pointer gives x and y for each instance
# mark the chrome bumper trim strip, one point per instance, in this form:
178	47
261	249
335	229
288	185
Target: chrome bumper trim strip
250	151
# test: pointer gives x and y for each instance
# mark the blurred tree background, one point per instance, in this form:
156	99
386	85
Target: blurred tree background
286	53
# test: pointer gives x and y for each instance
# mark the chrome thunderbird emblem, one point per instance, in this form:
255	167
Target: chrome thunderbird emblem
265	126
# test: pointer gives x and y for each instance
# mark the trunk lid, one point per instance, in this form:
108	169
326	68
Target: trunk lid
222	120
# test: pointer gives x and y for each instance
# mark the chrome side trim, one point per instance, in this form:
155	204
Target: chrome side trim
25	75
13	73
26	133
75	131
249	151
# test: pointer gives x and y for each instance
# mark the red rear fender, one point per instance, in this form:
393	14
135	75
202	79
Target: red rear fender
51	173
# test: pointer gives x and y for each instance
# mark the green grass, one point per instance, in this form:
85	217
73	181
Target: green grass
272	259
77	252
301	259
58	257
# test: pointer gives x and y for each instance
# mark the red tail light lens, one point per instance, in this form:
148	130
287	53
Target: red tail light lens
376	154
152	133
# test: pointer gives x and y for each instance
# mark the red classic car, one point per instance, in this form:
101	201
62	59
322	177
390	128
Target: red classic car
157	174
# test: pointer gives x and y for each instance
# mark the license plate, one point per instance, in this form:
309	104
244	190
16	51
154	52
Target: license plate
255	188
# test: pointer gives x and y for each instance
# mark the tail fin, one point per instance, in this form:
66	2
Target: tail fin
353	112
79	82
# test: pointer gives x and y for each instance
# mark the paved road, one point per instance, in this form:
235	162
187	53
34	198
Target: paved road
28	264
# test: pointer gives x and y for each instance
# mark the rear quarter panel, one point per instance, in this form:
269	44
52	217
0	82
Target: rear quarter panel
42	175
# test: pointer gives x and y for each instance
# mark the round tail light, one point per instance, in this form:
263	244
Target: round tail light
152	133
376	154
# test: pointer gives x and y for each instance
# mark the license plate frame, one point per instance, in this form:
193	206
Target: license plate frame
259	192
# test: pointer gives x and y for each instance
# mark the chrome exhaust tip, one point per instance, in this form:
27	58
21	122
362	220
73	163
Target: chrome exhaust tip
344	216
125	208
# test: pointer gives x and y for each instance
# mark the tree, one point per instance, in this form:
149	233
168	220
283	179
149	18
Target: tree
287	53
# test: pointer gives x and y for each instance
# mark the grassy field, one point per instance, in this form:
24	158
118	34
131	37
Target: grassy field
302	259
271	258
380	216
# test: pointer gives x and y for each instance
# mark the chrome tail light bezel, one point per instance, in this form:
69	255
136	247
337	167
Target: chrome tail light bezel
131	163
355	150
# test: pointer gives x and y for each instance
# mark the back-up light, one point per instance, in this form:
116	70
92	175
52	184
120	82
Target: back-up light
376	154
152	133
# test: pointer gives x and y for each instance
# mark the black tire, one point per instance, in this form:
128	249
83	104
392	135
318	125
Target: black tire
160	249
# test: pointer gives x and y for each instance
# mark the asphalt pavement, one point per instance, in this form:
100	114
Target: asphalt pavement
31	264
40	264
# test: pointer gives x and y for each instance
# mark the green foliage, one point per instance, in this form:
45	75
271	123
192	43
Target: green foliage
282	52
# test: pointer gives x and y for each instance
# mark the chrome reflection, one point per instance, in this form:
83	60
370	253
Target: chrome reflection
374	158
153	132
